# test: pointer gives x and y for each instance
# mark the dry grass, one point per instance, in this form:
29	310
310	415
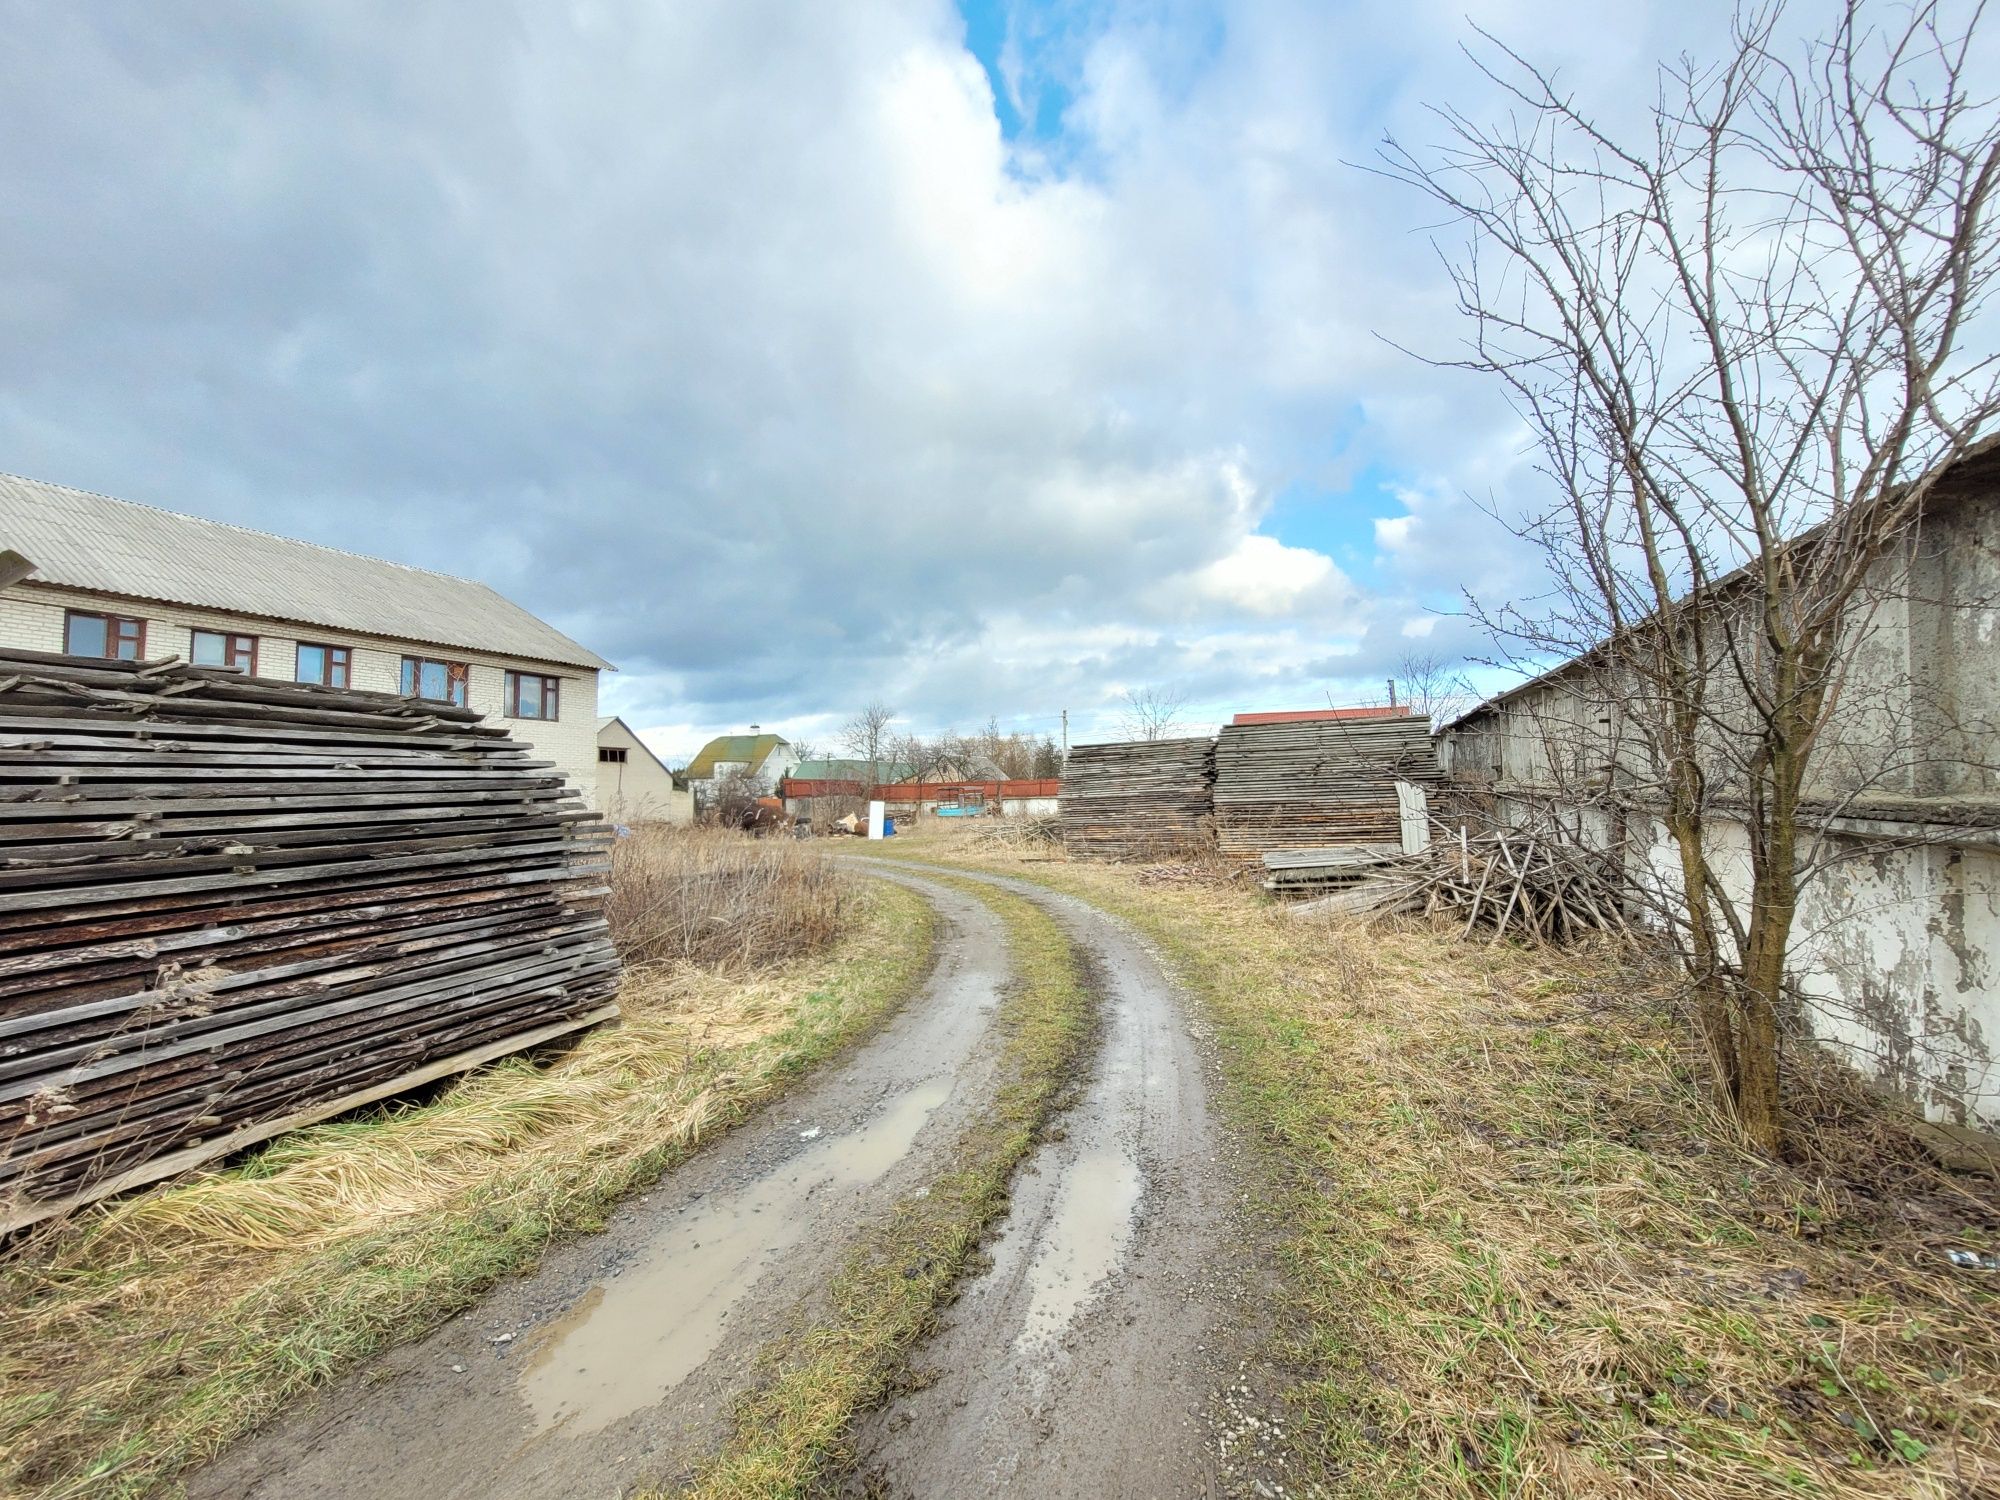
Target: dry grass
140	1336
1523	1259
719	897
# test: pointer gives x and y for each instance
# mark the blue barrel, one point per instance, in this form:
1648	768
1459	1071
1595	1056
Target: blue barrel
888	828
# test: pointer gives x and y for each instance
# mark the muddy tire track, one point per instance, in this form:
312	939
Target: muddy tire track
1115	1346
615	1363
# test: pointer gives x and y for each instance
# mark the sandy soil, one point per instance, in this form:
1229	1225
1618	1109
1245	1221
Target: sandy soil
1107	1351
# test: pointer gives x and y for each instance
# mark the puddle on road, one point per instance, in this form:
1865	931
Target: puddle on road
1083	1242
630	1340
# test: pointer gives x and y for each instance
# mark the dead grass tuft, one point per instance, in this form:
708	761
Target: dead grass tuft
719	897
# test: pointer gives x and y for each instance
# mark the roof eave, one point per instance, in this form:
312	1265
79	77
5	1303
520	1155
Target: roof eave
584	657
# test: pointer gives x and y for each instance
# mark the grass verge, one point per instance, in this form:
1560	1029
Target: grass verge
792	1429
139	1337
1521	1258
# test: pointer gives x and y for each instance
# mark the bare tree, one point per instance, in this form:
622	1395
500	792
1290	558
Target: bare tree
1433	686
1741	342
732	798
870	738
1152	713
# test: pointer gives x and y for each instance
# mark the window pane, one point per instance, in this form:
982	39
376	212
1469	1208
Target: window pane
312	664
432	680
125	635
87	635
337	668
458	675
530	701
209	649
551	696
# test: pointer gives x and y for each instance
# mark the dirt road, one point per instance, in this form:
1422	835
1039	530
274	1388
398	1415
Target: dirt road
1091	1359
1094	1357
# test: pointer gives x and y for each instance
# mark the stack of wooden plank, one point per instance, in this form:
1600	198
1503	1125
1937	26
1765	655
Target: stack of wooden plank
1148	799
231	906
1319	872
1318	783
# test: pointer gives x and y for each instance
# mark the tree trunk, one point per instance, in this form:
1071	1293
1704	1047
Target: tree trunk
1774	905
1771	913
1712	1001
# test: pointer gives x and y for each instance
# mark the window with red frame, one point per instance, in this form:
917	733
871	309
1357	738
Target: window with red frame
329	666
120	637
440	681
533	696
222	648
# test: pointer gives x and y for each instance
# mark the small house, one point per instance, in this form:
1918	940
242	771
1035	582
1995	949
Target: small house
633	784
755	759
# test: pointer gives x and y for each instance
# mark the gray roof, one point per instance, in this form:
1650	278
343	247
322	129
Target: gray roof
86	541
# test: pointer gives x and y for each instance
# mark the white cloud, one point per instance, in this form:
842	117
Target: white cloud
737	340
1264	577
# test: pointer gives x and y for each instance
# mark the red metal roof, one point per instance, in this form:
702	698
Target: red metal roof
1315	715
922	791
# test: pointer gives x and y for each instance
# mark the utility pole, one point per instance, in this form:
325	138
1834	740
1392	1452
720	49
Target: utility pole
1065	714
1392	692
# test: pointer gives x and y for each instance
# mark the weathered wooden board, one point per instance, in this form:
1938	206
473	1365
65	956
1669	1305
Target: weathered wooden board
231	906
1312	784
1147	799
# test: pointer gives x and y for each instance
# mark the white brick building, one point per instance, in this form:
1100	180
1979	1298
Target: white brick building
112	578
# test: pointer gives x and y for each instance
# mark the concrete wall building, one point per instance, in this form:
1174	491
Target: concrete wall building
633	784
111	578
1896	949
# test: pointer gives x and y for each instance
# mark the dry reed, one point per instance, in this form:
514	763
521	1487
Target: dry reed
719	897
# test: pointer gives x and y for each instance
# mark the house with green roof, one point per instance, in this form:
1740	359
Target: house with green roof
875	773
769	758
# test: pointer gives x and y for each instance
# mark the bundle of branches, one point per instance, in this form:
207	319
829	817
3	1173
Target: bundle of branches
1537	881
1020	835
1531	882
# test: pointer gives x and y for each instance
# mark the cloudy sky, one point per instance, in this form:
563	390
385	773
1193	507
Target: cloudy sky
988	359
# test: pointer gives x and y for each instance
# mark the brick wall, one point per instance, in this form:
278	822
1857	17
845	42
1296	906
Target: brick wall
31	618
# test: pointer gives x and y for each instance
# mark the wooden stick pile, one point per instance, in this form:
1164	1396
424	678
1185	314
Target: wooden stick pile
1145	800
1527	882
1533	882
231	906
1316	784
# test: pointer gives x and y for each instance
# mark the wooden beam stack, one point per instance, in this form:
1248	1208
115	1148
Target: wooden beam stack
1144	800
1317	783
231	906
